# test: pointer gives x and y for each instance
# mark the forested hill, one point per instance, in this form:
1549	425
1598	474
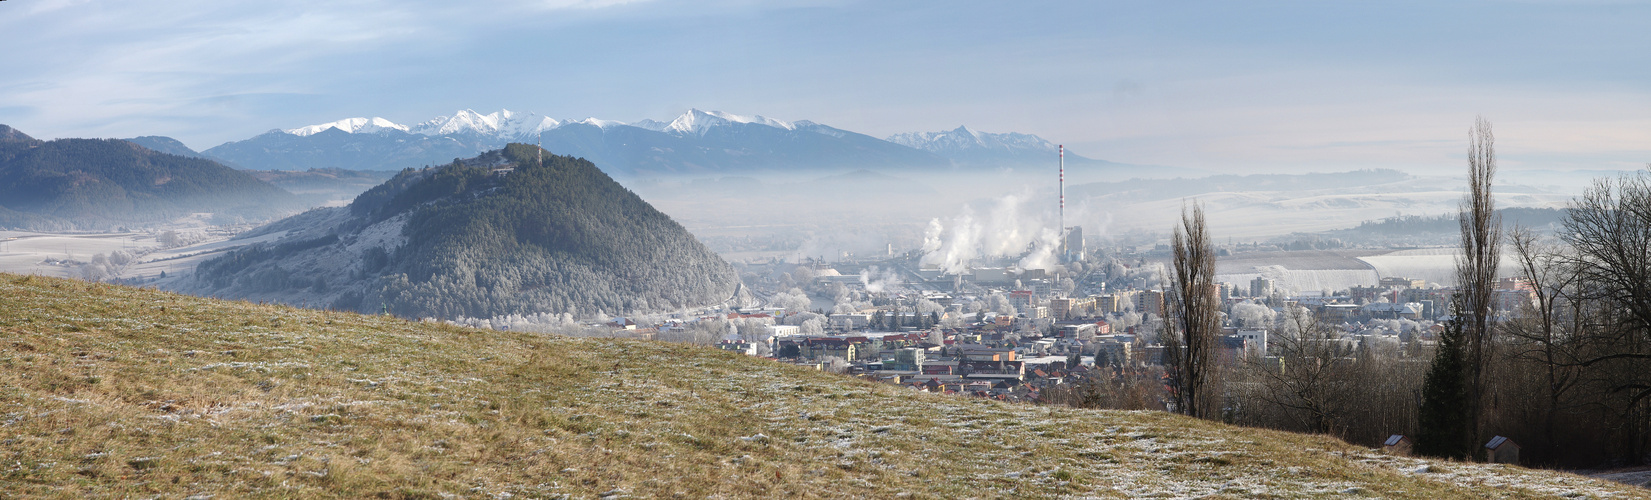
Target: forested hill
98	183
496	234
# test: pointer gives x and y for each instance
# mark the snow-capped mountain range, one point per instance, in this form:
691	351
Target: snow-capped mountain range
697	142
962	139
510	125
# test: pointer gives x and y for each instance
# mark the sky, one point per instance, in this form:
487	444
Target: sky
1221	86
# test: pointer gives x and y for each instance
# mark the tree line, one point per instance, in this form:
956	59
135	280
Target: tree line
97	183
1566	375
498	234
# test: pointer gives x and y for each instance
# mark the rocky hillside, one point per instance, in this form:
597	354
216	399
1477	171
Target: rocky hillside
496	234
110	391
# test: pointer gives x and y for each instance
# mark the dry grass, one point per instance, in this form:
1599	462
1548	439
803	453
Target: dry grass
109	391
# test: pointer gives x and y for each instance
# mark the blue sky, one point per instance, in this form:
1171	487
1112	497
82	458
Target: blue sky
1224	86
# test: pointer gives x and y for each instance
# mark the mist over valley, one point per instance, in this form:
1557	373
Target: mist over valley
849	249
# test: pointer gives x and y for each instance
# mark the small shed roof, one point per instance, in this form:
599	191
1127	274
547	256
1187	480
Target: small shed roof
1394	440
1497	442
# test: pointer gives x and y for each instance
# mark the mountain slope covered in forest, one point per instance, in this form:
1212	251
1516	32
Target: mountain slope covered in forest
168	145
100	183
111	391
496	234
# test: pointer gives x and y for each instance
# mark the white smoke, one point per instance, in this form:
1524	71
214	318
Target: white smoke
876	280
1043	252
1011	228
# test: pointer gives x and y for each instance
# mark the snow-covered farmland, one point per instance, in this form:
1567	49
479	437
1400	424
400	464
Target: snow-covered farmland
173	249
1436	265
1307	271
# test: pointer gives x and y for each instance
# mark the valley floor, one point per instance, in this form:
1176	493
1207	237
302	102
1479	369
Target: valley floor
65	254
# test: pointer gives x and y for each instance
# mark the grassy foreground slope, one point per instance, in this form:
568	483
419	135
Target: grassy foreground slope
114	391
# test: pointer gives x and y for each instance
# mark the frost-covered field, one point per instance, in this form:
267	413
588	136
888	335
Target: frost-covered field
1436	265
53	254
1312	270
151	251
116	392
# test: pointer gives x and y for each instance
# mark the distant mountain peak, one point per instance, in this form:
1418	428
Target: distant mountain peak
165	144
696	141
964	138
502	123
465	120
507	124
8	134
600	123
967	146
696	121
349	125
651	124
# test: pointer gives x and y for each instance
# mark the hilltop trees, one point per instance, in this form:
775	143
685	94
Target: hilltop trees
105	183
1445	420
1307	380
1455	388
1191	334
1476	270
1609	230
493	235
1572	367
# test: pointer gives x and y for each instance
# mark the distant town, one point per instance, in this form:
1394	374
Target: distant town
1029	335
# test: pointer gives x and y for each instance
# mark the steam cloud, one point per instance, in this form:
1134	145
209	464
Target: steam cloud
876	281
1010	228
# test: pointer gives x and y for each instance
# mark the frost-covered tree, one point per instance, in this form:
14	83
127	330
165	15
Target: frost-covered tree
813	326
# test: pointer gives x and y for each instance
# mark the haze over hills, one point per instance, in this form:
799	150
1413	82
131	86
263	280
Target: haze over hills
496	234
965	146
168	145
695	143
102	183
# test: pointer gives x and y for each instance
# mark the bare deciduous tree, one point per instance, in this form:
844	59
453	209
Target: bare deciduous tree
1189	342
1609	228
1540	334
1311	378
1477	267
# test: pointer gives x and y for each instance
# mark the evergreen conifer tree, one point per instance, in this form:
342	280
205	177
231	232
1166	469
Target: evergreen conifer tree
1444	414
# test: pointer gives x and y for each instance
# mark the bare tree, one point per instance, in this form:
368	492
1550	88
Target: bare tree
1540	335
1476	269
1609	228
1189	342
1311	379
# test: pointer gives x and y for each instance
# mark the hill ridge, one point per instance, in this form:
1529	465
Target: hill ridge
500	233
102	183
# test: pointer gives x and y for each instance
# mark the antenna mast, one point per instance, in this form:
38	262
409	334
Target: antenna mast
1062	229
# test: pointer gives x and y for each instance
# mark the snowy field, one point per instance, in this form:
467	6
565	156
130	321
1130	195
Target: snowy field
174	249
53	254
1307	271
1436	265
